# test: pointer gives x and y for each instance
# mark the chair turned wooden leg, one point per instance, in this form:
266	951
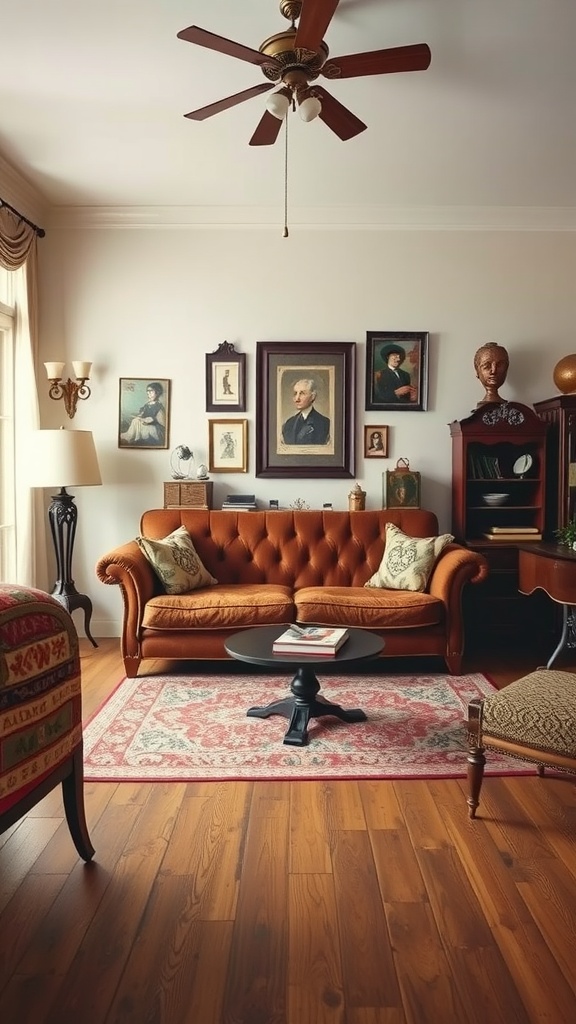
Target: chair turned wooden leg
476	762
73	797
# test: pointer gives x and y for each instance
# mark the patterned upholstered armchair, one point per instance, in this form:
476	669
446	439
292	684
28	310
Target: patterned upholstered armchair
40	709
533	719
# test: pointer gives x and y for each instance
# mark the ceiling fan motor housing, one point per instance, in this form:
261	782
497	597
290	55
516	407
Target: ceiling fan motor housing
287	59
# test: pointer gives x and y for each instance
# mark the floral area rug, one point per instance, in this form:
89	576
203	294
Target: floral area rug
193	728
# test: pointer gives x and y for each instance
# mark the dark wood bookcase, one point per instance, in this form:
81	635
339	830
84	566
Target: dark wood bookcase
500	449
559	415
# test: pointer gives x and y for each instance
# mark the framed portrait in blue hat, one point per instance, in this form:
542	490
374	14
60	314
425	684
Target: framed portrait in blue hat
397	370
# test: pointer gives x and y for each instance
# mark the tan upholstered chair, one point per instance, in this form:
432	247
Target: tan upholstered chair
533	719
40	709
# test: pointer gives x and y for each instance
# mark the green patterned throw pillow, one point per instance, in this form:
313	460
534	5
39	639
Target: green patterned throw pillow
407	562
176	563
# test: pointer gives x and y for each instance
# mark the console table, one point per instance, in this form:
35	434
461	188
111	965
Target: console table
552	568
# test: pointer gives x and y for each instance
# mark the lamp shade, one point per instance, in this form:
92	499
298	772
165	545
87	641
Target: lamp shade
63	458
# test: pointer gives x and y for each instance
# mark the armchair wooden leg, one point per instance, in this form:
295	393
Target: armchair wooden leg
476	762
73	797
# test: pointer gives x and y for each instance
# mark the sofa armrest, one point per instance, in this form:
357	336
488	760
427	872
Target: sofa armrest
456	567
127	567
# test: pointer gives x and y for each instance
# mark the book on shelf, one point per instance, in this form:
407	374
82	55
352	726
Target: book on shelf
314	640
514	529
507	537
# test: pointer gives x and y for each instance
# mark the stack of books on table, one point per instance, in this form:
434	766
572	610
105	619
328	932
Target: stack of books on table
312	640
513	533
240	502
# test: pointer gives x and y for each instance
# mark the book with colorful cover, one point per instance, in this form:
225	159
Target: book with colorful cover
310	640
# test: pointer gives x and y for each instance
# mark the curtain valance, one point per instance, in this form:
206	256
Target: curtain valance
17	237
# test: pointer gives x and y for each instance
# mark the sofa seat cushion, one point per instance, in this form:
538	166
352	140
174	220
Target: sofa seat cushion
368	608
221	607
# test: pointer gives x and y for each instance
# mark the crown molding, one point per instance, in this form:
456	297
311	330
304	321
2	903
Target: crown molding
379	218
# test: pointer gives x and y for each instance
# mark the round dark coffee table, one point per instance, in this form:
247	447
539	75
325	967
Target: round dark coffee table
255	646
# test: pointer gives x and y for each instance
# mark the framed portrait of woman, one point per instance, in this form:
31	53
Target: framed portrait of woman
144	416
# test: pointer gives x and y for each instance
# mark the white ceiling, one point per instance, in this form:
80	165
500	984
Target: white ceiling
93	93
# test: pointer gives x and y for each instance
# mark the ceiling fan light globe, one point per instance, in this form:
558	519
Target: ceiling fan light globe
309	108
277	104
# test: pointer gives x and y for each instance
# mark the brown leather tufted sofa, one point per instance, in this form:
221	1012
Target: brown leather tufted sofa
282	567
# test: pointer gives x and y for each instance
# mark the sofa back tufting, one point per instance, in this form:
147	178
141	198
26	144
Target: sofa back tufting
293	549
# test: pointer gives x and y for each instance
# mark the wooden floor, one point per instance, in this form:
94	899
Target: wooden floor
292	903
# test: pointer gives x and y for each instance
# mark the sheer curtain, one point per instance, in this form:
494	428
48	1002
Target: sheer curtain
18	254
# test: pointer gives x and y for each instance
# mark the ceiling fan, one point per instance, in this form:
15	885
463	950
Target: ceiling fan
295	58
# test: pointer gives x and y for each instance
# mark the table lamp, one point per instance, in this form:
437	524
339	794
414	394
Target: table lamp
65	458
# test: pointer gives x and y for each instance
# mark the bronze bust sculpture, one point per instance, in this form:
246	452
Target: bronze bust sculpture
491	363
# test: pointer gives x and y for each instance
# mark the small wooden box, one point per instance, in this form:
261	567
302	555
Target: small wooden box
188	494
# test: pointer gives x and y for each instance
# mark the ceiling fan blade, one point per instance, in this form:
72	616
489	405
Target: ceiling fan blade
379	62
341	120
315	17
214	108
267	130
213	42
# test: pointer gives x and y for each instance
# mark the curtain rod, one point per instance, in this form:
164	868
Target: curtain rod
39	231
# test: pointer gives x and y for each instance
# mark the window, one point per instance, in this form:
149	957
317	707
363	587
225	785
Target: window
7	461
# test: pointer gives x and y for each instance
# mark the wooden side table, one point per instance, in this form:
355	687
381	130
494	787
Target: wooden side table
188	494
551	568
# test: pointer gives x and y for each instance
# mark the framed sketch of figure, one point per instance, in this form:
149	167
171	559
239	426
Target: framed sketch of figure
225	380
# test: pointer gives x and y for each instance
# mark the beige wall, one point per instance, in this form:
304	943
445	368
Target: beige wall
151	302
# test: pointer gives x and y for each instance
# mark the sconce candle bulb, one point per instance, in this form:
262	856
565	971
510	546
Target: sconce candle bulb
69	390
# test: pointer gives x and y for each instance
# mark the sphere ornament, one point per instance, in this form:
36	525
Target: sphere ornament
564	375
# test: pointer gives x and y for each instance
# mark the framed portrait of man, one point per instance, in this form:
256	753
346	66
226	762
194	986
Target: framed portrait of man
305	408
397	370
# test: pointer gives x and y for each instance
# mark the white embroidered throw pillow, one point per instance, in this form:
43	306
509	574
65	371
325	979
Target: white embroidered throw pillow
407	562
176	562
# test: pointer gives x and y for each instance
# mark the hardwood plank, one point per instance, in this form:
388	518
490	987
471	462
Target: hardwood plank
31	902
315	993
397	867
380	803
367	962
429	991
177	966
475	962
20	851
309	834
257	973
212	863
124	900
545	992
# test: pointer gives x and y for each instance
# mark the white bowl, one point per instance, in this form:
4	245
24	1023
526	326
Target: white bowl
495	499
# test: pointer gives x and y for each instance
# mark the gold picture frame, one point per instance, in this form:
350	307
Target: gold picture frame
228	446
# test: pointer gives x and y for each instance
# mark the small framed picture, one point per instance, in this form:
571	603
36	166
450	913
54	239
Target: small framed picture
226	380
375	441
228	446
401	489
397	370
144	416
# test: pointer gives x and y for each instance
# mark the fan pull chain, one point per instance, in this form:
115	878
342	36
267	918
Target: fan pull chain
285	231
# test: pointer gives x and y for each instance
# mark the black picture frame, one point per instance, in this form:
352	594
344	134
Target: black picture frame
412	371
226	379
279	366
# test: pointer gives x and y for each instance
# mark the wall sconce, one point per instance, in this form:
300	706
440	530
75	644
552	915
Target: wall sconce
69	390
